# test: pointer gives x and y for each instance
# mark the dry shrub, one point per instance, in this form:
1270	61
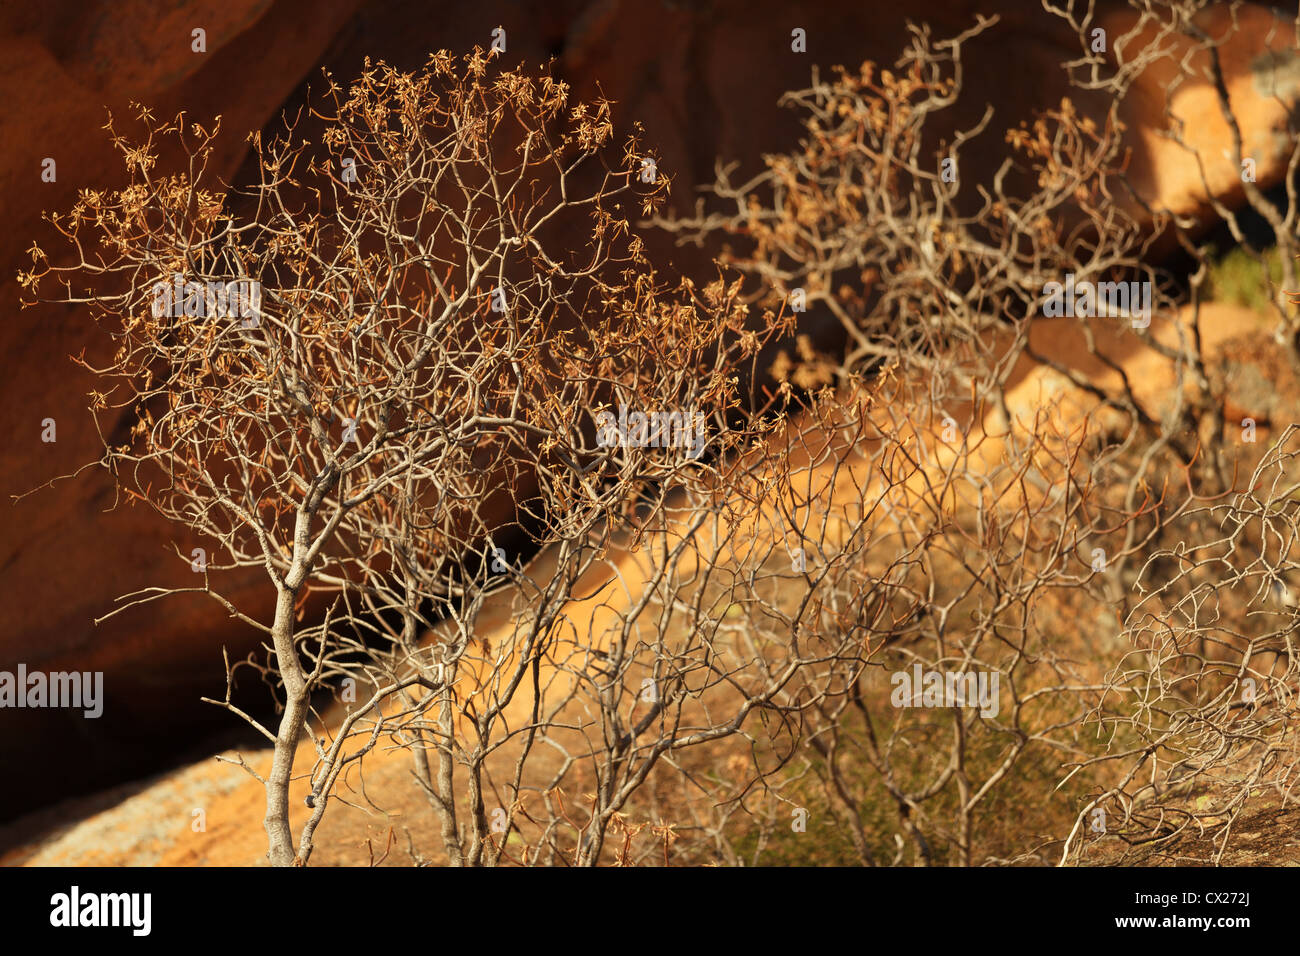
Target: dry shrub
451	297
1045	545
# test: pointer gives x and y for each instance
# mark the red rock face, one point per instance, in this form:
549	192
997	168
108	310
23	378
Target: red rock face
704	78
66	558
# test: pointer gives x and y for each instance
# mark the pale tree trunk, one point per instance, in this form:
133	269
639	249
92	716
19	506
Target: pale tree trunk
278	832
279	835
